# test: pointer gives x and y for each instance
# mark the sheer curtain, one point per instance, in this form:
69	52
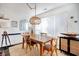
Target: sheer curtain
23	26
42	27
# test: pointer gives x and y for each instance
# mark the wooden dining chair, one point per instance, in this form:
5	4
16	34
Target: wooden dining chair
25	36
50	46
30	43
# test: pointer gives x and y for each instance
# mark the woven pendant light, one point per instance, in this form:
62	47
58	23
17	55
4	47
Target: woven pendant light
34	20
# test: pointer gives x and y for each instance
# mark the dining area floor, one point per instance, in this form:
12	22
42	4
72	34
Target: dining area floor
17	50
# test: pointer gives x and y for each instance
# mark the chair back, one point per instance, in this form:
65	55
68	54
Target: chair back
54	42
27	39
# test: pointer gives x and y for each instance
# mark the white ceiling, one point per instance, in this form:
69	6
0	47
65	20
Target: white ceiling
41	7
21	10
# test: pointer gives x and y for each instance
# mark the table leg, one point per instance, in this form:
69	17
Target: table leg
23	43
41	49
60	43
51	47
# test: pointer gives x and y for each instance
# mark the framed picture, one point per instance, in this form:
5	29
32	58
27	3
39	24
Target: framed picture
14	24
4	24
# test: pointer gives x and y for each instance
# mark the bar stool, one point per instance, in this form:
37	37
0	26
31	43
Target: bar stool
5	37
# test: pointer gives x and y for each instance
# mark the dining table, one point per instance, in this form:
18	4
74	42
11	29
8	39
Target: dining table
40	40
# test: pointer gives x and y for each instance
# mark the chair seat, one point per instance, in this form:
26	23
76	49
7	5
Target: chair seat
32	42
47	47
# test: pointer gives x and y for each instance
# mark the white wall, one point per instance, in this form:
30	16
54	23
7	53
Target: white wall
60	19
15	12
62	15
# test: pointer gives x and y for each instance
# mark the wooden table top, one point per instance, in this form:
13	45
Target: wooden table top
40	39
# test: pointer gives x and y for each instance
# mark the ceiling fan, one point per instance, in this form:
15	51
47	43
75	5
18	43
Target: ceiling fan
2	17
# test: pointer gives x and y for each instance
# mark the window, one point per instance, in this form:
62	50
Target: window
42	27
26	24
23	26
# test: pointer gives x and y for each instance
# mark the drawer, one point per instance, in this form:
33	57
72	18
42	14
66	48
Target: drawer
64	47
74	47
74	43
64	44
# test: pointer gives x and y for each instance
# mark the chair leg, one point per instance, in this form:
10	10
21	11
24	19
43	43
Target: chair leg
9	40
30	47
37	46
6	40
52	52
2	41
33	49
56	52
27	47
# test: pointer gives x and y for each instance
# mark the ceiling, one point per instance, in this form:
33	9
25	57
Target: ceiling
20	10
43	7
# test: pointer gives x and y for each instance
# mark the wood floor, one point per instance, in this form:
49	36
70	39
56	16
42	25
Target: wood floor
18	51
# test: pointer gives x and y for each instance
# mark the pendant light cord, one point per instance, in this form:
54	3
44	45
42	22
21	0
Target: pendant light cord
35	9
